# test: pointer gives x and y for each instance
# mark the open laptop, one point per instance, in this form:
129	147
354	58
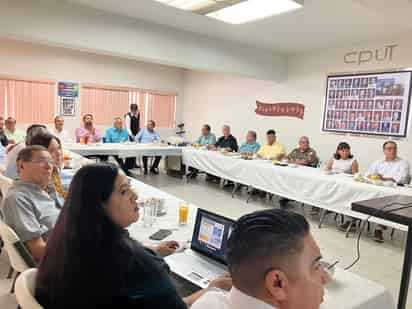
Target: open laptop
206	258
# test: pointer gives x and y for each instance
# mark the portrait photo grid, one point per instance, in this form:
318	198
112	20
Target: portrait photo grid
376	104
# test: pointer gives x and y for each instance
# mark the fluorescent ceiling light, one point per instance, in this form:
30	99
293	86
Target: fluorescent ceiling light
236	11
253	9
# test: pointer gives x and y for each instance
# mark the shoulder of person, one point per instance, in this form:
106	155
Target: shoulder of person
214	298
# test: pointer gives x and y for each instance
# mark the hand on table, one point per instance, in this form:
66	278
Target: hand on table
166	248
223	282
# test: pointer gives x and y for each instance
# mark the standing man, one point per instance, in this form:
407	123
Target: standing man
146	136
132	121
60	132
13	134
88	130
390	168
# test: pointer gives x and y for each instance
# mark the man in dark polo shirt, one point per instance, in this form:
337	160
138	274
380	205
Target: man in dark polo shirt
227	141
31	206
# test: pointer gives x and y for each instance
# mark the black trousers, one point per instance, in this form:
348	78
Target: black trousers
155	163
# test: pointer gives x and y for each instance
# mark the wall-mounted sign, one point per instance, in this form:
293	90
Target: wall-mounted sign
280	109
369	55
67	106
68	90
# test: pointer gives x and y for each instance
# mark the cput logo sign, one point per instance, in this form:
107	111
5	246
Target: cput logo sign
369	55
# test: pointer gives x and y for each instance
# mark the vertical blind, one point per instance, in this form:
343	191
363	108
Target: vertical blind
28	101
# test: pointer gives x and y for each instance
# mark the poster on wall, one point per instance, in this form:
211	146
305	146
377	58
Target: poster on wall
68	93
370	103
67	106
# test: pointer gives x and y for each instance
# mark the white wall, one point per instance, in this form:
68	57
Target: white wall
41	62
222	99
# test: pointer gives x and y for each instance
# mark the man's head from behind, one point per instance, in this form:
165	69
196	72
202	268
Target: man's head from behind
273	257
35	165
34	130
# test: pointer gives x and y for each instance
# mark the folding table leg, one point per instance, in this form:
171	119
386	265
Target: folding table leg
322	217
10	274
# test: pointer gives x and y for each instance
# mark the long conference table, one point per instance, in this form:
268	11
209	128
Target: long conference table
300	183
346	290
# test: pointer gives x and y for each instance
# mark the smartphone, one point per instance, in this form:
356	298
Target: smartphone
160	234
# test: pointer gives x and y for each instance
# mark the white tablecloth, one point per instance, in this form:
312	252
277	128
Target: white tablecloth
125	150
345	291
304	184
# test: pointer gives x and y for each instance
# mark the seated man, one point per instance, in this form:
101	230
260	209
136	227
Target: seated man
391	168
304	155
146	136
274	262
59	131
31	206
88	131
227	142
13	134
272	150
250	146
13	151
117	134
205	139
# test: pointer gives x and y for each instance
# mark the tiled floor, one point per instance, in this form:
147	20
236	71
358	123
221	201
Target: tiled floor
379	262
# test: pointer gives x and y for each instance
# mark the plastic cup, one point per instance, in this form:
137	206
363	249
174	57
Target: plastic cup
183	213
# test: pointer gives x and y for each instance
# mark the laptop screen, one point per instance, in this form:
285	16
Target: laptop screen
210	235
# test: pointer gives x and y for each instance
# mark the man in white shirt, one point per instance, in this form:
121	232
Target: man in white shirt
274	263
391	168
60	132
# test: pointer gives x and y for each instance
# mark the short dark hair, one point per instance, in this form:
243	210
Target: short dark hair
43	139
33	130
262	240
58	116
133	107
26	154
342	146
253	134
207	127
153	122
271	132
389	142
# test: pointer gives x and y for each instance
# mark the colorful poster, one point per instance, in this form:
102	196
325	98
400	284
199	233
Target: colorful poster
69	90
370	103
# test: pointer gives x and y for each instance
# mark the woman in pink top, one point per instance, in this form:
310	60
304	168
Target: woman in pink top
88	130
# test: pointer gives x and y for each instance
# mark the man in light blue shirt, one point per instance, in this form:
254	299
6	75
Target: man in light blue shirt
250	145
207	138
146	136
118	134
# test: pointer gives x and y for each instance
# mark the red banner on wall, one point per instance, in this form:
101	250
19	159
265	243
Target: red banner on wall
280	109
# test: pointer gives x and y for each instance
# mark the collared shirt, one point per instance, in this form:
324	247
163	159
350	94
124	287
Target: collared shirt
132	123
271	151
116	136
397	169
235	299
17	135
63	136
206	140
29	210
95	136
229	142
246	147
146	137
309	155
11	157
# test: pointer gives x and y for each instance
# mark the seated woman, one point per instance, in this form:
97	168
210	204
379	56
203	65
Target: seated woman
92	262
343	161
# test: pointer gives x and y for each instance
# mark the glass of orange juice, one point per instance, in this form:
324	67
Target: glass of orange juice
183	213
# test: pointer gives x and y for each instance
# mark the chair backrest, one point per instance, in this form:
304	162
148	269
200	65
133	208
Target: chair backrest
20	258
5	184
25	289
